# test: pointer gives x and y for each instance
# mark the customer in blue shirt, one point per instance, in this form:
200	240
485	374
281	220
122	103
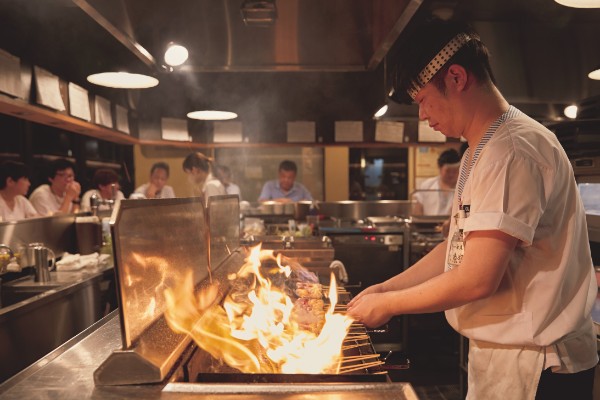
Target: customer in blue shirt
285	189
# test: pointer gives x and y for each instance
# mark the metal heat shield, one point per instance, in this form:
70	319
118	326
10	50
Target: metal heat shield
156	242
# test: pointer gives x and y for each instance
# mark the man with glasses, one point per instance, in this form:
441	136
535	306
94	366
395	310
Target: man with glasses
62	194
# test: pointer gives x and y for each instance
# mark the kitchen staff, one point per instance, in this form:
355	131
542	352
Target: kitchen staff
62	194
203	184
285	189
515	275
435	194
14	184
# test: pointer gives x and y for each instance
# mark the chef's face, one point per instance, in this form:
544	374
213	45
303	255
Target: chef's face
437	108
286	179
61	179
159	178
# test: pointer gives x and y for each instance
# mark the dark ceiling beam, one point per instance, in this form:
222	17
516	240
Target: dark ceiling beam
393	35
137	49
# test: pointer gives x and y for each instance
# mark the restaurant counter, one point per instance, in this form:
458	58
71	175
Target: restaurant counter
67	373
37	317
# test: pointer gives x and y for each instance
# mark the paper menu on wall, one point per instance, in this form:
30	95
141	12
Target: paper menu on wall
427	134
175	129
389	131
348	131
102	112
79	103
10	74
122	119
48	89
301	131
227	132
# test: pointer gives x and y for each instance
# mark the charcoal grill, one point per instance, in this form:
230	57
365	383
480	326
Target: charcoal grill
157	241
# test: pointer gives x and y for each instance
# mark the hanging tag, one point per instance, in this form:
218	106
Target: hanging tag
457	243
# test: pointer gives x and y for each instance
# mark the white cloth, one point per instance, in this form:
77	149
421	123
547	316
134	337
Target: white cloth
523	184
212	187
45	201
166	192
433	198
86	203
519	367
74	262
232	188
23	209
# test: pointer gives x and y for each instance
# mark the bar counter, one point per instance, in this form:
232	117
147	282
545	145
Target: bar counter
67	373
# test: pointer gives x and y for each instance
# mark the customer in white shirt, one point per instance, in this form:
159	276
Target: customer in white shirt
14	184
157	187
106	183
62	194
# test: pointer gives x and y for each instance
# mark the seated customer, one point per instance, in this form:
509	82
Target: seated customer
224	175
285	189
203	184
14	184
157	188
106	182
62	194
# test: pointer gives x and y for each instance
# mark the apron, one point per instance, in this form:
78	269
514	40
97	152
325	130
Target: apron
503	372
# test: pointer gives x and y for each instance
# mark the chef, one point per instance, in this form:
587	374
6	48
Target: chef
515	275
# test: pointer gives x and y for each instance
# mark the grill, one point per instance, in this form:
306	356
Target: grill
206	244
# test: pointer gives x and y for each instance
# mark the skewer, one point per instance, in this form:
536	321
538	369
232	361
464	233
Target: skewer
354	346
360	358
344	370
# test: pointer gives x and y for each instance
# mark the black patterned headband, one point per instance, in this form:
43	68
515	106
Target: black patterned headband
436	64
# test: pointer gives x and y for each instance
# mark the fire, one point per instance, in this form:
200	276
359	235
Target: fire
258	327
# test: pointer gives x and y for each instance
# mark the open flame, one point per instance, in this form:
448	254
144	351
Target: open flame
258	328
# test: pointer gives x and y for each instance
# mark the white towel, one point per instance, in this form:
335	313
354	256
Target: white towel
74	262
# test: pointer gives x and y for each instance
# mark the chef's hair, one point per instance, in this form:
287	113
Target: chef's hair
424	42
197	160
14	170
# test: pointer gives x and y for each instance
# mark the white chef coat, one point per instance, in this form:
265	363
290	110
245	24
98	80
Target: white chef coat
22	209
434	200
45	201
523	184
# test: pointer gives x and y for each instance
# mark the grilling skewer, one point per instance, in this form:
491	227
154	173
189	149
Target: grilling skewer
344	370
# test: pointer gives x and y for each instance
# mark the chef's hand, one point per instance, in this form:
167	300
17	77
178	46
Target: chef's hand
378	288
370	309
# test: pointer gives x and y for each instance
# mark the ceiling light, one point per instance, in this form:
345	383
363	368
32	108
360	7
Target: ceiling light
571	111
381	112
212	115
595	74
176	55
580	3
123	80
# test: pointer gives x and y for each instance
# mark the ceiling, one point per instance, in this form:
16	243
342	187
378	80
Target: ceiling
319	60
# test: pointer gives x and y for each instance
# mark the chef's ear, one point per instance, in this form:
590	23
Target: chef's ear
457	77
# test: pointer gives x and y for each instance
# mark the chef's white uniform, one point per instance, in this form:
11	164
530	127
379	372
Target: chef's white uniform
522	184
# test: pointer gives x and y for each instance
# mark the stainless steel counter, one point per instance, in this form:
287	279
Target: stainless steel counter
38	317
67	373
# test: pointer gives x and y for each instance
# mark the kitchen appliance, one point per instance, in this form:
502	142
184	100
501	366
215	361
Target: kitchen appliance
206	248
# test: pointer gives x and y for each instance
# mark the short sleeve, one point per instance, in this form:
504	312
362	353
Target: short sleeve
507	195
